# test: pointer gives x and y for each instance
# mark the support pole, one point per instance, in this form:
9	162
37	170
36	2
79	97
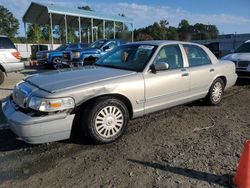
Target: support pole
88	36
51	30
123	26
26	40
80	29
96	33
104	29
92	31
66	28
132	32
114	30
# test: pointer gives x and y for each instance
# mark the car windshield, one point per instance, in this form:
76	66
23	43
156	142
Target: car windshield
98	44
73	46
244	48
62	47
128	57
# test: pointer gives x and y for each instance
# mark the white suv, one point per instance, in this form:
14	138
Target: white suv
10	58
241	58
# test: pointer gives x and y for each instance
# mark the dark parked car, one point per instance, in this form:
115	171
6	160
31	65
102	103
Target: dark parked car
91	54
53	58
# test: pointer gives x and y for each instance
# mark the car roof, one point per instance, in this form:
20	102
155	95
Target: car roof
248	41
3	36
163	42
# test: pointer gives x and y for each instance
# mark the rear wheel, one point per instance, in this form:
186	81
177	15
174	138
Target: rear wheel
106	120
216	92
2	77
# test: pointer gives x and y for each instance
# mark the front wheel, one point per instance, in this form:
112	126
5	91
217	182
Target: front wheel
106	120
57	63
216	92
2	77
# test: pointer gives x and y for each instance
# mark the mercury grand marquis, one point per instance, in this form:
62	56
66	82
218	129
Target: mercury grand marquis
129	82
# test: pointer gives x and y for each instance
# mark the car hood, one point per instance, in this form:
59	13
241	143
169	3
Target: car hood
237	57
91	50
56	81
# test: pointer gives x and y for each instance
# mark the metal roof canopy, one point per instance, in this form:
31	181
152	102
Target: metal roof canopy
40	14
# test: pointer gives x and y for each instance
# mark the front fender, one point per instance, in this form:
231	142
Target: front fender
84	56
53	55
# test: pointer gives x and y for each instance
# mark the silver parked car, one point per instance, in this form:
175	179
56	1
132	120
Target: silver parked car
9	58
241	58
131	81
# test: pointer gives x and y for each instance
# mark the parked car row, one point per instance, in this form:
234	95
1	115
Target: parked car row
53	58
77	54
91	54
130	81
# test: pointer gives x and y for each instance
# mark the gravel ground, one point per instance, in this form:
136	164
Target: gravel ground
187	146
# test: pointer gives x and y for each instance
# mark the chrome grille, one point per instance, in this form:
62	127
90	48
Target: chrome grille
243	63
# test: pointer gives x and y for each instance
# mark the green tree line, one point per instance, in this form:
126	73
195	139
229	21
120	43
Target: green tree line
185	31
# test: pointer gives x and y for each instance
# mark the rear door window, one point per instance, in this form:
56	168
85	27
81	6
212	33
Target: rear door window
6	43
196	55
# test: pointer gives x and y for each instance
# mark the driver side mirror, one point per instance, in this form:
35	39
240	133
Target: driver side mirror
160	66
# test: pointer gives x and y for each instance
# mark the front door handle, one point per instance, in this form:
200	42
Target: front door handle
211	70
185	74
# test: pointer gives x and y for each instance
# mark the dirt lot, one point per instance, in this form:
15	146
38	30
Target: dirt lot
186	146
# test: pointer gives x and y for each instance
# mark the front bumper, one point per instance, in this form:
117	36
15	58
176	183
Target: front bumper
42	62
37	130
14	67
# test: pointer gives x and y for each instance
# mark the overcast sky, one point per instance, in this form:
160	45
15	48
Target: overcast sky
230	16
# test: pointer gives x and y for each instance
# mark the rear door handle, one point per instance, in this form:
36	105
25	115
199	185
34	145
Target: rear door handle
185	74
211	70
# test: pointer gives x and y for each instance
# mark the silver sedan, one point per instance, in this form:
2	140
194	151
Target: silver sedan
129	82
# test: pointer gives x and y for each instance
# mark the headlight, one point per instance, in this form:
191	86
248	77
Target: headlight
46	56
75	55
51	105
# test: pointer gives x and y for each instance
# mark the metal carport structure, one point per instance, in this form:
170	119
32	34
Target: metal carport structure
51	14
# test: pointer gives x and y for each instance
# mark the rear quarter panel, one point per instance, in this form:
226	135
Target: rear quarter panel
227	69
223	68
9	62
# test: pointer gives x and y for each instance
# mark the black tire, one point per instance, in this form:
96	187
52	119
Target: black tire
2	77
216	92
90	60
57	63
93	111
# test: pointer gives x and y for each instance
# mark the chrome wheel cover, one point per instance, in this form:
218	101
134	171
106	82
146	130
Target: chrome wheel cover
109	121
217	92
